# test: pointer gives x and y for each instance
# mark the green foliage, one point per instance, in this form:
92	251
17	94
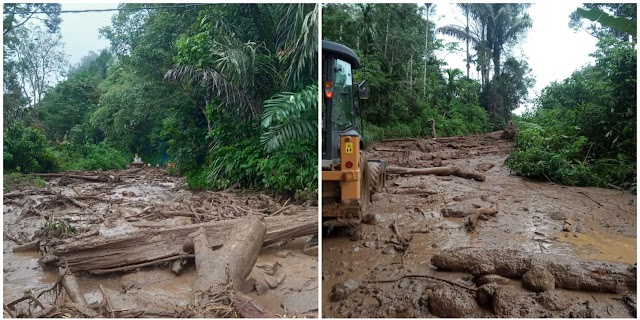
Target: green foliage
617	20
92	157
57	228
15	180
27	150
250	70
229	64
404	97
583	132
607	20
290	116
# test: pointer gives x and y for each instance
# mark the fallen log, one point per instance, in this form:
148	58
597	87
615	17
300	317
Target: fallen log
116	253
70	285
389	149
569	272
248	308
399	140
31	246
439	171
96	178
228	267
472	221
27	193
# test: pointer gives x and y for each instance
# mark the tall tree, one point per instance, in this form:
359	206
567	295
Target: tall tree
18	14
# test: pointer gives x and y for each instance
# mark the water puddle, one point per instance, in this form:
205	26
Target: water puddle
598	245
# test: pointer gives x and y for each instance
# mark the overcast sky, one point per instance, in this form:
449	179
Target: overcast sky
80	30
552	49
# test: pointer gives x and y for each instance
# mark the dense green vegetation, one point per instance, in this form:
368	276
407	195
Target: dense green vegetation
583	130
227	92
411	87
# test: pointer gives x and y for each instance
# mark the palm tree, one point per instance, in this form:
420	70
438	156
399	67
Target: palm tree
267	49
495	25
504	25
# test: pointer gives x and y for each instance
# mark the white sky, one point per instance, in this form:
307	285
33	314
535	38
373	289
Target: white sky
553	50
80	30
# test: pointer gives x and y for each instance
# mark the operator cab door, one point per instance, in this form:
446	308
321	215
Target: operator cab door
338	115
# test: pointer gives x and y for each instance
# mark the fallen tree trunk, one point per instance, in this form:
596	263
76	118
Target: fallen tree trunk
439	171
117	252
70	285
31	246
399	140
228	267
96	178
569	272
389	149
27	193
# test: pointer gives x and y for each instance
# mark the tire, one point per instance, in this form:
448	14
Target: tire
365	187
375	177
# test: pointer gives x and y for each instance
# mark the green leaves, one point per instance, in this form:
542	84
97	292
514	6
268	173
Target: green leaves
618	23
290	116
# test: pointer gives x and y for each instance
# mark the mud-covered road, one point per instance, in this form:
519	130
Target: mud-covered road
429	213
283	280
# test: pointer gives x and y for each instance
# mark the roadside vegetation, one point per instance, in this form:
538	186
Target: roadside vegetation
581	131
227	92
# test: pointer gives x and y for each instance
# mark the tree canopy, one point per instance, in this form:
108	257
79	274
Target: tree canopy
228	92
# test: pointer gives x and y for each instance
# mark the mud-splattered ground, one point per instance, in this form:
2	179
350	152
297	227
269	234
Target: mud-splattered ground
599	224
283	280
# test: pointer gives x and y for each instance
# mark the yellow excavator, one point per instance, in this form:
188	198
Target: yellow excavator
348	179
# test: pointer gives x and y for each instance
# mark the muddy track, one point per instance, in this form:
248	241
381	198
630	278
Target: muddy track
388	271
131	202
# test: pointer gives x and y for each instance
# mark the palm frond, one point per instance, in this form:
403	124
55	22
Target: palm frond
228	93
458	32
297	39
288	116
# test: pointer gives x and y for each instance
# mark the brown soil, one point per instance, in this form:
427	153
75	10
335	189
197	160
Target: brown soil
419	216
136	201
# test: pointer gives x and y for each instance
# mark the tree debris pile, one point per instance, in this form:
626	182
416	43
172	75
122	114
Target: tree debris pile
131	226
502	247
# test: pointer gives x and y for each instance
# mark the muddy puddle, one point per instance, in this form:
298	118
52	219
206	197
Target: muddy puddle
431	213
283	280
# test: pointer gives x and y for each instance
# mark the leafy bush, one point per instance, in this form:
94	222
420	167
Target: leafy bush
293	168
583	131
27	150
92	157
16	180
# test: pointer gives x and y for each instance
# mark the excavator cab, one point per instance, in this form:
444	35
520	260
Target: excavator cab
348	179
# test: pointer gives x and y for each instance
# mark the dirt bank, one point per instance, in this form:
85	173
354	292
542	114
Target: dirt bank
391	275
142	202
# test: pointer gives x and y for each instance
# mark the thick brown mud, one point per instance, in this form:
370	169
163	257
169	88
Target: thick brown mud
392	276
283	279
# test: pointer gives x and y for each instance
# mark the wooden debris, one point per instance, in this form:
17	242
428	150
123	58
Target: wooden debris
31	246
249	308
230	265
389	149
569	272
90	178
400	140
70	284
481	213
118	253
439	171
27	193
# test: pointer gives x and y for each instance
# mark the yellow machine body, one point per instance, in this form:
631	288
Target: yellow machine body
343	183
